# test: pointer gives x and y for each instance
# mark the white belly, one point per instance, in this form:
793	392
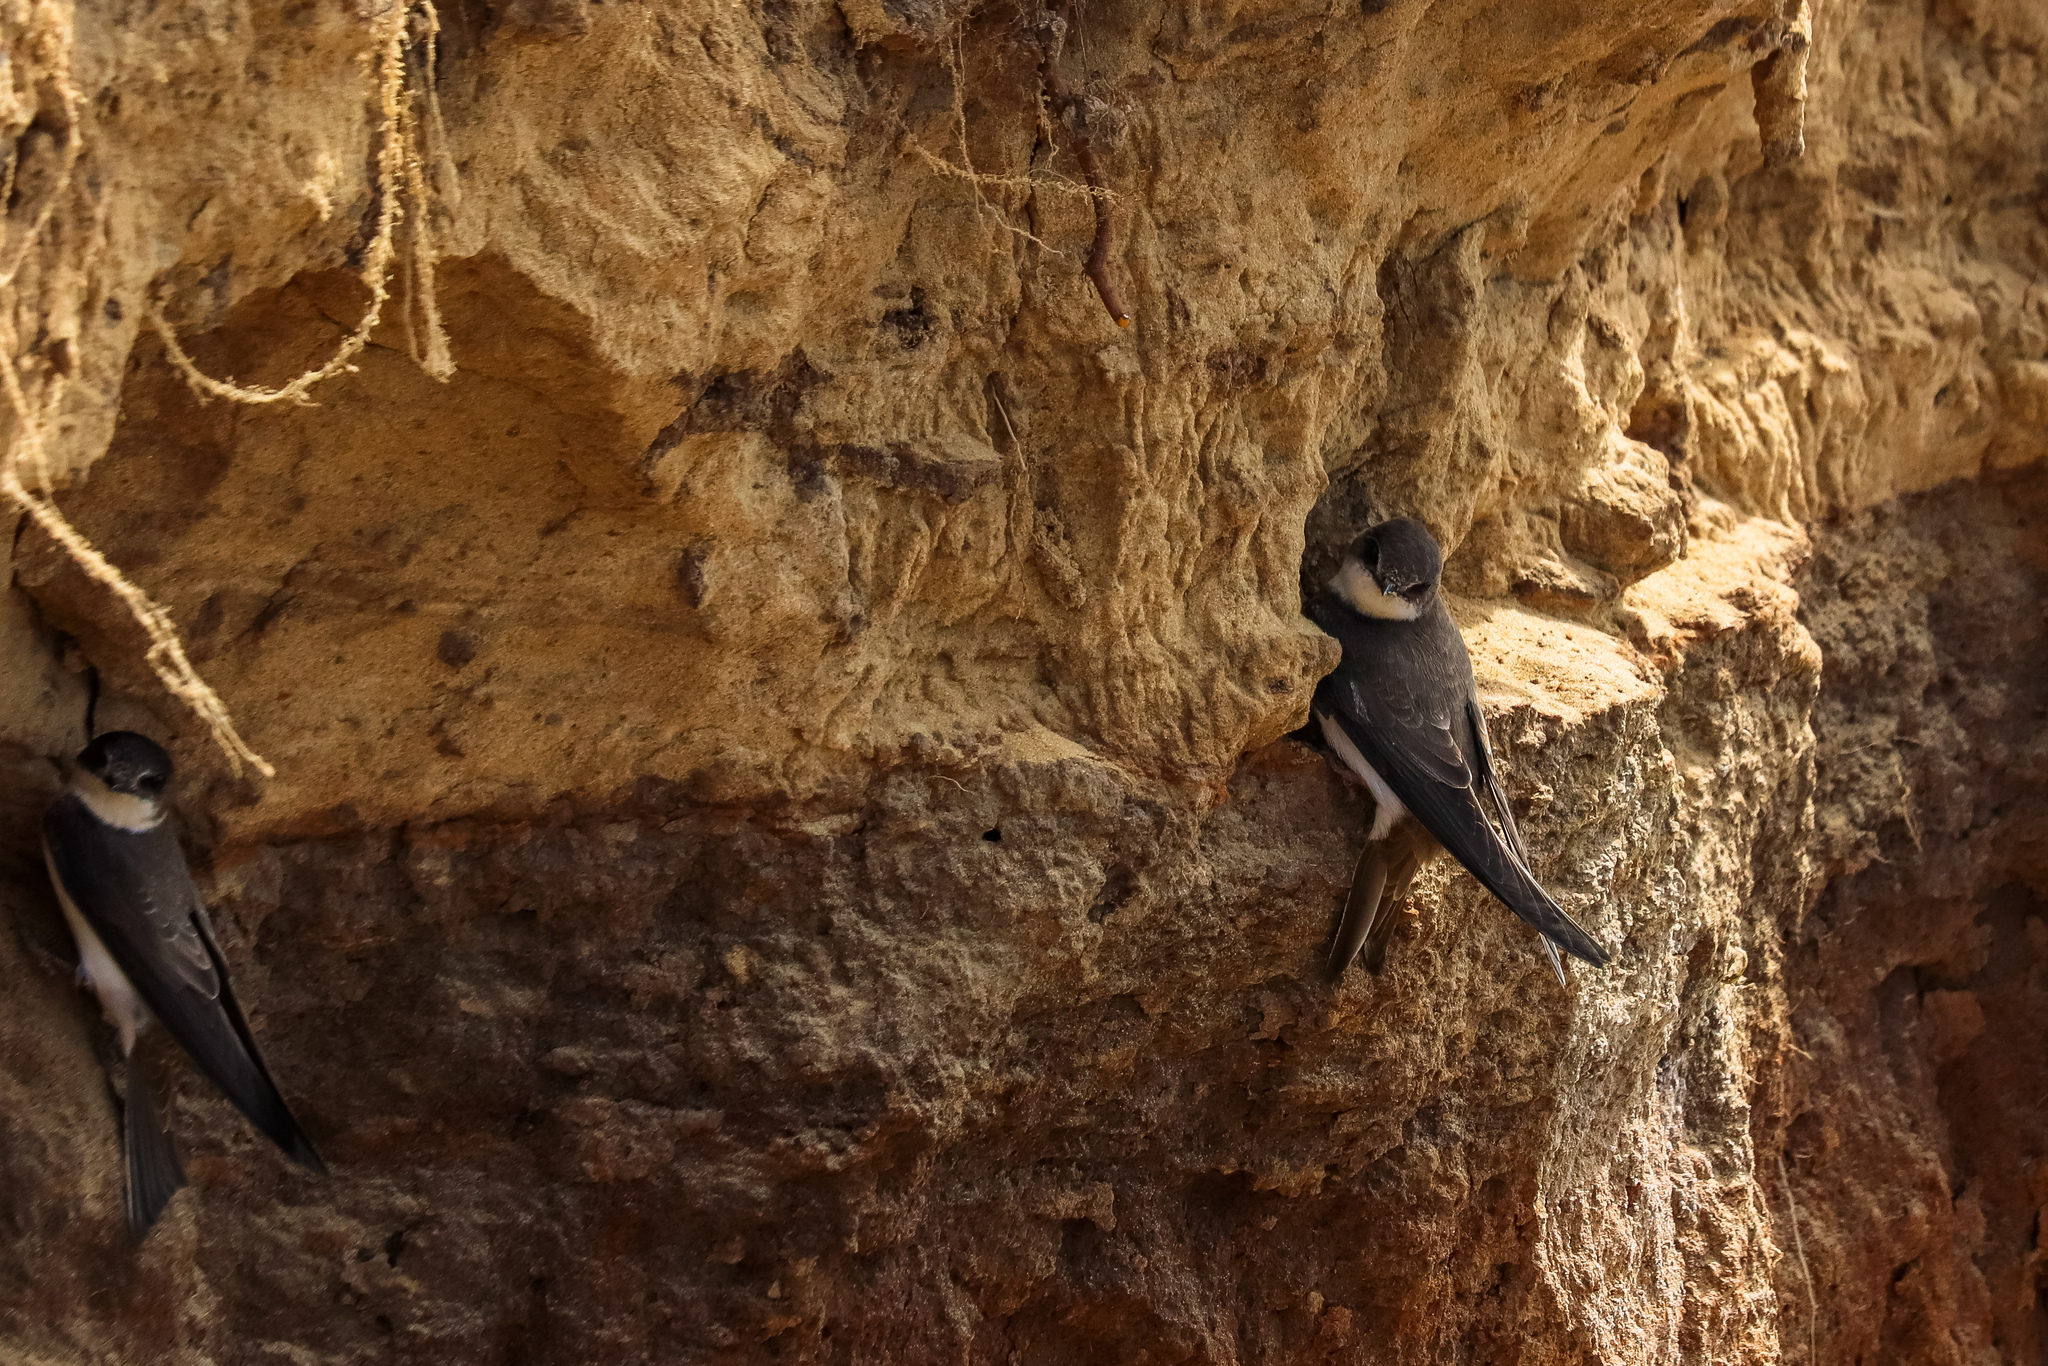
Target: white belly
118	998
1390	808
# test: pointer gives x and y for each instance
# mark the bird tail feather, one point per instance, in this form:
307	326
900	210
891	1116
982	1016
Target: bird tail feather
1360	906
154	1173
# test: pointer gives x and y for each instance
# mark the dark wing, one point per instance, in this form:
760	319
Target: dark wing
1405	699
263	1105
1491	777
1408	715
135	892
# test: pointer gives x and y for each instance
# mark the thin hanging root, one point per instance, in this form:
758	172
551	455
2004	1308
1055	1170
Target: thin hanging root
166	655
397	162
1091	171
956	63
1805	1272
437	362
978	179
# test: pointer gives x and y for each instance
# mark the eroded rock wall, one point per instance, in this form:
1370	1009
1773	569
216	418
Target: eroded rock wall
786	845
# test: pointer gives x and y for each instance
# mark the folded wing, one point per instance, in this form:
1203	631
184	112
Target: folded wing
1417	726
134	891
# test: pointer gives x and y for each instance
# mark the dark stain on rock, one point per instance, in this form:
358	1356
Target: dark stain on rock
1236	368
690	581
913	325
742	401
1724	34
1117	889
948	472
455	649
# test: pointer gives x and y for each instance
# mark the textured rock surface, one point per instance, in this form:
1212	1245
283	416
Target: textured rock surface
786	845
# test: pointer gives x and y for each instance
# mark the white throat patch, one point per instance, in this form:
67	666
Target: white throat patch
1356	587
118	809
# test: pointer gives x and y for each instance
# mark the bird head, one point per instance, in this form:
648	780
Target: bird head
1391	571
129	764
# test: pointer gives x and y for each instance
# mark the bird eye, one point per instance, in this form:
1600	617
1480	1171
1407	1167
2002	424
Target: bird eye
1369	554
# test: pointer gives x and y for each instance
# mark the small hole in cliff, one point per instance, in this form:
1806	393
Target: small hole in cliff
992	836
1684	211
1899	1272
394	1245
455	649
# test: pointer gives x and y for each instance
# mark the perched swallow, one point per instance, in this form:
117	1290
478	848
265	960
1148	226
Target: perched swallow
1402	714
146	947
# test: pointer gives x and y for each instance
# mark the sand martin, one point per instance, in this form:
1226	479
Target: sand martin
1402	714
146	947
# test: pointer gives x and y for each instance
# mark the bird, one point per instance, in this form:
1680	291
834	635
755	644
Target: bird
147	949
1401	714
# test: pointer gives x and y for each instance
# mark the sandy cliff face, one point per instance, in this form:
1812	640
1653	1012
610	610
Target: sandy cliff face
786	845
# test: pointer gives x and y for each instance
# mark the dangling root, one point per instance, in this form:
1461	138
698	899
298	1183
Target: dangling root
437	362
397	161
166	655
956	63
1095	190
